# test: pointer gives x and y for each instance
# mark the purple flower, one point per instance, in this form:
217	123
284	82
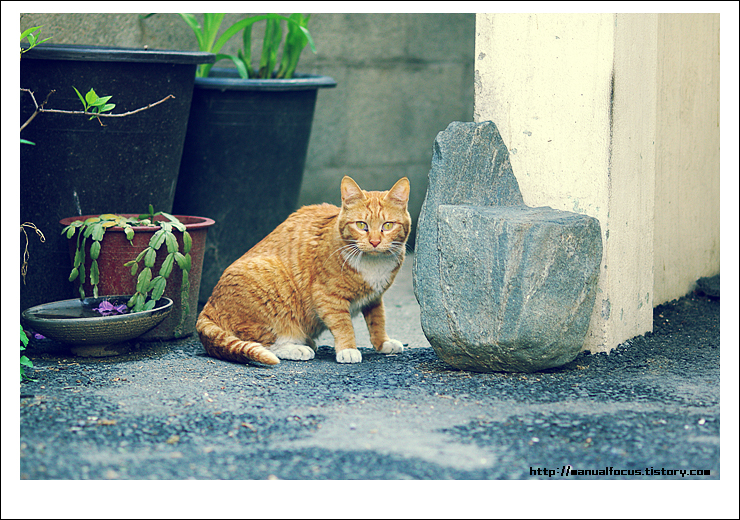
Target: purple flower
106	308
39	336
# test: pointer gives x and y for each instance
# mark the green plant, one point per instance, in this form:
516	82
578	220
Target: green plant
149	288
33	39
25	362
295	40
96	105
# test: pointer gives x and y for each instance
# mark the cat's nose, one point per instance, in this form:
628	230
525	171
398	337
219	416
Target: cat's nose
374	242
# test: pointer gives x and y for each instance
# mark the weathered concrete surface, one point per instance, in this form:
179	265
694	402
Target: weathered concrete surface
502	287
168	411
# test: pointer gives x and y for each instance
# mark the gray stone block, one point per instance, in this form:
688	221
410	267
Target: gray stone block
502	287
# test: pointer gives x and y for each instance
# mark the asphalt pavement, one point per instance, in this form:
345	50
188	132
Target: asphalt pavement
649	410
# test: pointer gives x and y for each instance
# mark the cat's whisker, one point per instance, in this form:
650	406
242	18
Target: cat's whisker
344	248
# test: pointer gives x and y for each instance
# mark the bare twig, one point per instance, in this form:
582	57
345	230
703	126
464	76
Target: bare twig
55	111
38	109
42	238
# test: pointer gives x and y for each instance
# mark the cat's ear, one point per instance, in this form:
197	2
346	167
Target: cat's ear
350	190
399	193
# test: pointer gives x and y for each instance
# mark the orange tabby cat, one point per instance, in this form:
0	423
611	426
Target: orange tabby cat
316	270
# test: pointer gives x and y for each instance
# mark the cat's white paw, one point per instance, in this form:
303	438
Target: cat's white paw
293	351
392	346
349	355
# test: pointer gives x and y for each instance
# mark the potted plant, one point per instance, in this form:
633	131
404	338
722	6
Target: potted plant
248	134
112	164
138	255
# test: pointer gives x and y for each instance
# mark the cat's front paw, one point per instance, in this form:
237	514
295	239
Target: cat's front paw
349	355
293	352
392	346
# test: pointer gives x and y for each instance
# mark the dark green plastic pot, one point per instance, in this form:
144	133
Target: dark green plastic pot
243	160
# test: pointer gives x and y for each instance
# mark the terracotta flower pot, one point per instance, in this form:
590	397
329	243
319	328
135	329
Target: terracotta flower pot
115	278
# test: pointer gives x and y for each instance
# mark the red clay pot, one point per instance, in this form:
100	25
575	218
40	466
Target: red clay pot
115	278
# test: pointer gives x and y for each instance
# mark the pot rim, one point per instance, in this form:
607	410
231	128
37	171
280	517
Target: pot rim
76	52
203	222
229	79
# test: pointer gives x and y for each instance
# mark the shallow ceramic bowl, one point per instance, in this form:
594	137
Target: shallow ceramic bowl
76	323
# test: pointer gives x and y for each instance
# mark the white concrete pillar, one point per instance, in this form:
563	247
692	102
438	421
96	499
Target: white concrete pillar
574	98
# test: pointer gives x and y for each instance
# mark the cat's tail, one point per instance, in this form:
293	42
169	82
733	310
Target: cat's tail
219	343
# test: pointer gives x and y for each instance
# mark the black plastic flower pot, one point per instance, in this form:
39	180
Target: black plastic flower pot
79	167
243	160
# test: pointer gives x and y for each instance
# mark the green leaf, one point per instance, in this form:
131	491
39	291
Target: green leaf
95	250
242	66
150	305
150	257
245	54
187	242
129	232
84	105
166	268
98	231
101	101
91	97
95	291
26	362
94	274
157	239
171	243
192	22
180	259
134	268
174	222
141	255
211	24
142	283
74	274
79	257
158	286
81	290
270	44
188	263
26	33
24	338
108	107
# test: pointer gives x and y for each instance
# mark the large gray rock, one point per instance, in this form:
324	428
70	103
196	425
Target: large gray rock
502	287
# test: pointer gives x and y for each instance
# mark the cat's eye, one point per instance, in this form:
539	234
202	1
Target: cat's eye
387	226
362	226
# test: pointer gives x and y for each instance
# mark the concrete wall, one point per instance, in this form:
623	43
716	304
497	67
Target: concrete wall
402	78
584	102
687	158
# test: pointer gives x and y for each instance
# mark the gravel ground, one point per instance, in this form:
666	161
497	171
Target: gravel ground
648	410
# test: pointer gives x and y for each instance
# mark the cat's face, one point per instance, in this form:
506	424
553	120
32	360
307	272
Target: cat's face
375	222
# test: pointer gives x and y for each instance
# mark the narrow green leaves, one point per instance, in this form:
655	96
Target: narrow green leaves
296	39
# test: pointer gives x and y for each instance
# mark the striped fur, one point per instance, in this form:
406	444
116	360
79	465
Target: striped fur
312	273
